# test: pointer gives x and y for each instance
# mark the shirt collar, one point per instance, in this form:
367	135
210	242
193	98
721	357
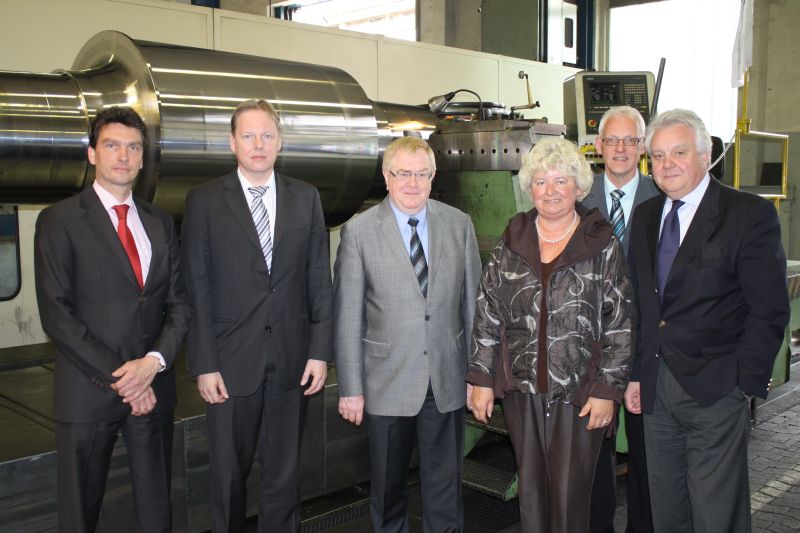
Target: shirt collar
629	188
246	183
402	218
694	197
108	200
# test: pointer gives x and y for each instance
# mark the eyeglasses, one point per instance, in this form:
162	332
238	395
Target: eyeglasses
627	141
405	175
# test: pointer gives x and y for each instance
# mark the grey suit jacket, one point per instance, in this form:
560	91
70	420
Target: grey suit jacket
390	340
248	320
596	198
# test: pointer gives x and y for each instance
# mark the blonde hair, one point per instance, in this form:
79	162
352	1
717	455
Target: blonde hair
559	154
251	105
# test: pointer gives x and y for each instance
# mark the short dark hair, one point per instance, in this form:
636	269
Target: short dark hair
116	115
251	105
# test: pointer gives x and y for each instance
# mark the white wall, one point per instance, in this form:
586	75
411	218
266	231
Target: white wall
45	35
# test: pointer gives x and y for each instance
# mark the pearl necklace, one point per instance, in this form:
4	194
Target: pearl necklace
555	241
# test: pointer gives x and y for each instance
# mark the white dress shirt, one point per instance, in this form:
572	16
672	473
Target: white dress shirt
688	209
627	199
269	198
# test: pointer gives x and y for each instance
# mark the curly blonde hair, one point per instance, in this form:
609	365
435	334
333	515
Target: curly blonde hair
559	154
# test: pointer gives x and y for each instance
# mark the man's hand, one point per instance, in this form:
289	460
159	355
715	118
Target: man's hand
469	396
601	412
633	399
144	404
316	370
352	408
482	403
135	377
212	387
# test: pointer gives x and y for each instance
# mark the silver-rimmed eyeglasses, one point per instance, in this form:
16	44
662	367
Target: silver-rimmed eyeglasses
405	175
627	141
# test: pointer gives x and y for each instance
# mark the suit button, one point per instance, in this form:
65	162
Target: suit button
268	329
427	317
661	323
657	356
273	291
425	352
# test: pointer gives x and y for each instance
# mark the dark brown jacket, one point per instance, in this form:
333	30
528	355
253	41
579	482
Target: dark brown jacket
589	324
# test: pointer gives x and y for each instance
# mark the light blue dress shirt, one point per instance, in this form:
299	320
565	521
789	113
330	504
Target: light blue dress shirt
405	229
627	200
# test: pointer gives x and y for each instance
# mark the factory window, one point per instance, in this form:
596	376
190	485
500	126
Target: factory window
696	37
9	253
392	18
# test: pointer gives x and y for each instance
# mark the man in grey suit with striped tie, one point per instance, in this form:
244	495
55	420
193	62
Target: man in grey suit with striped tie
616	192
404	297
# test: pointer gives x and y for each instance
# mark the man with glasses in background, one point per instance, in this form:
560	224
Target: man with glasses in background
616	193
404	296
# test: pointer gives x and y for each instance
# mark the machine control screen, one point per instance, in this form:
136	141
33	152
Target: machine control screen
608	91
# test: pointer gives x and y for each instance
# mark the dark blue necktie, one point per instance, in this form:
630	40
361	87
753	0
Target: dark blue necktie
668	245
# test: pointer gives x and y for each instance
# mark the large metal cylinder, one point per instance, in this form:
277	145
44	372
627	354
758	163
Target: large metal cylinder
333	135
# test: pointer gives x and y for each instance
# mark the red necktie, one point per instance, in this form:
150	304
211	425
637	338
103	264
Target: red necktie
128	243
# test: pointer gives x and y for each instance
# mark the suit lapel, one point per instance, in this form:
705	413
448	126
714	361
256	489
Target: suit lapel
703	225
391	236
638	197
283	208
155	234
434	243
237	203
652	232
598	192
100	224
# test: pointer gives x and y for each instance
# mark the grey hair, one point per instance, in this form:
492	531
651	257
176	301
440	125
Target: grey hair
623	111
559	154
681	117
410	145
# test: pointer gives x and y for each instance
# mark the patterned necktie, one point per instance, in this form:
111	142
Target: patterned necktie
128	243
261	220
418	257
668	245
617	217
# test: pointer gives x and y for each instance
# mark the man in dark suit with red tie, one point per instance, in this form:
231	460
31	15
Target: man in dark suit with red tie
112	301
710	277
258	271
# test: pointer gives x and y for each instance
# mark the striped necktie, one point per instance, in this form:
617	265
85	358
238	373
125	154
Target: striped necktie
418	257
261	220
617	216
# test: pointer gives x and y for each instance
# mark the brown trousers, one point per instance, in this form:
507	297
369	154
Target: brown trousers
556	458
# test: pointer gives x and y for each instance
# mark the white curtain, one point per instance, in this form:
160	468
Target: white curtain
697	38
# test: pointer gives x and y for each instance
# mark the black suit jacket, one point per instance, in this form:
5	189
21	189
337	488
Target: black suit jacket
92	308
247	319
725	304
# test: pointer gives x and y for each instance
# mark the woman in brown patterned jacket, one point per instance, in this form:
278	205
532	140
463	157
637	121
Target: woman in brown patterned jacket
552	338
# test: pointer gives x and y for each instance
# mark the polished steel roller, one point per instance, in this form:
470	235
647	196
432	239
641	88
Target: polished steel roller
333	135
